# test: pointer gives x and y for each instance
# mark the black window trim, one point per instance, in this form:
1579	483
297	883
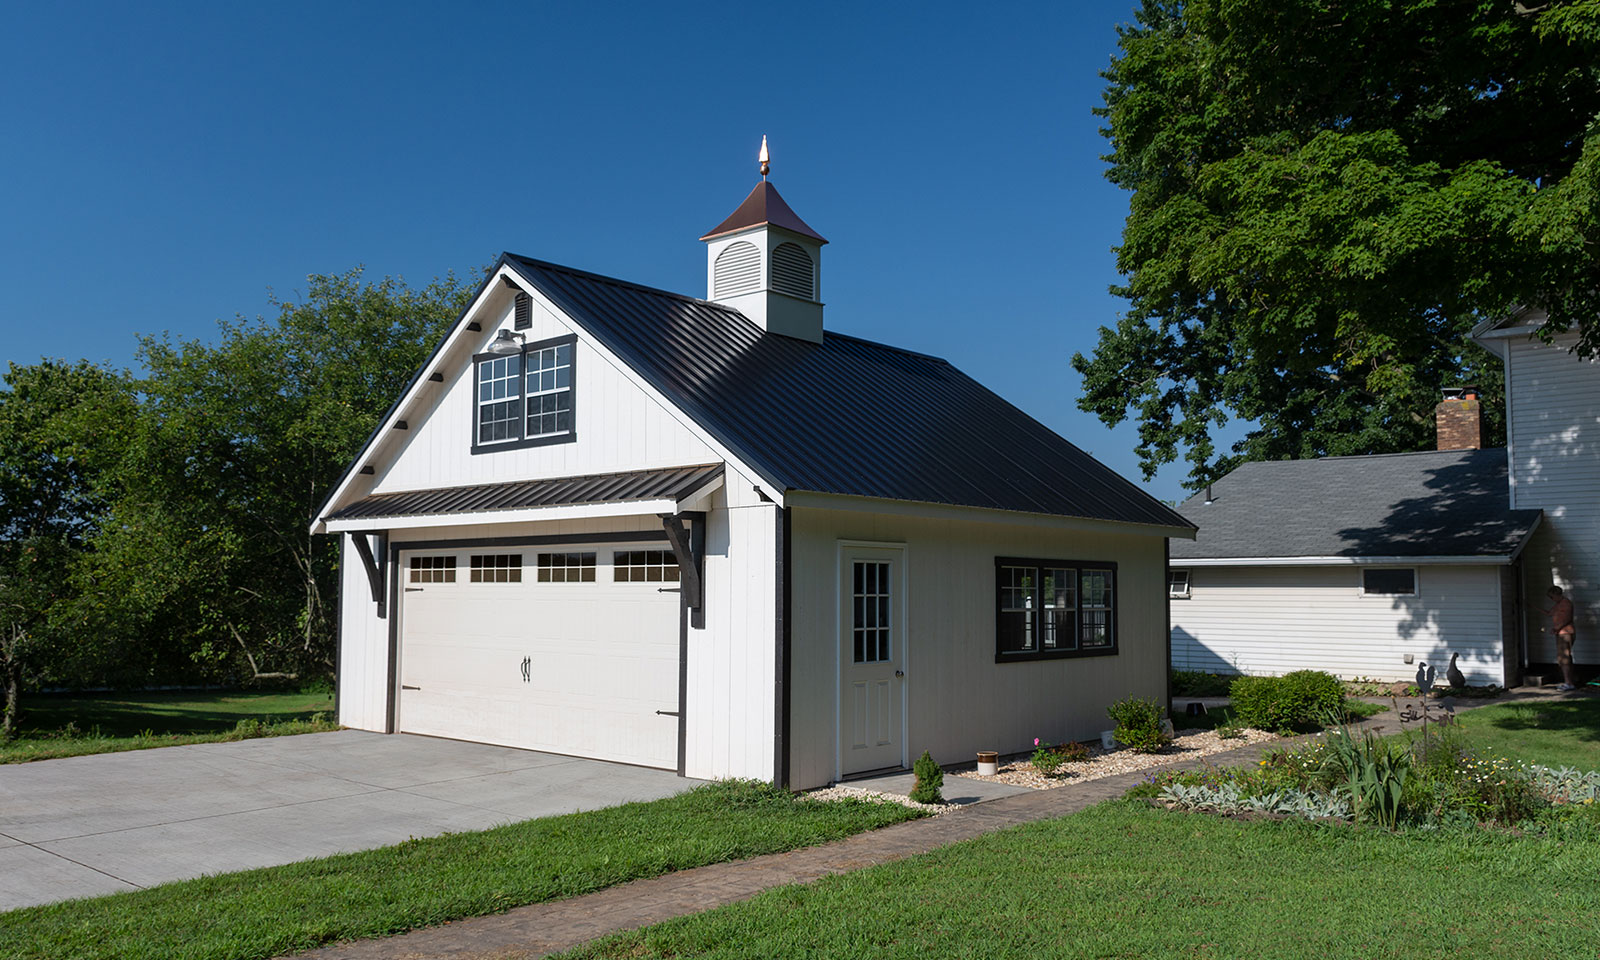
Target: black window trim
524	442
1040	564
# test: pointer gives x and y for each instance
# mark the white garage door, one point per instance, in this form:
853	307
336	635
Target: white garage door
571	649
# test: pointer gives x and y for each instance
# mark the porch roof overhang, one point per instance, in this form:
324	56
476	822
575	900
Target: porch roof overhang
669	490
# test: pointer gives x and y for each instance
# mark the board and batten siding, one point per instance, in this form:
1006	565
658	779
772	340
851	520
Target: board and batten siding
1272	620
959	701
1554	439
619	425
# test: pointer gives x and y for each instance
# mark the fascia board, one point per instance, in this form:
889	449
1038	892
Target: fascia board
1532	528
581	511
403	403
1472	561
945	511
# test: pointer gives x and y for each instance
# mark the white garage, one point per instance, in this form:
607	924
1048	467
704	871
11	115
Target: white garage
568	648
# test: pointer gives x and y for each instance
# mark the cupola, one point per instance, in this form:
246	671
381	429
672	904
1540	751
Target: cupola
765	262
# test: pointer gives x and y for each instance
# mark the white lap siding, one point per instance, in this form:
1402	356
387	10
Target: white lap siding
1555	466
1271	620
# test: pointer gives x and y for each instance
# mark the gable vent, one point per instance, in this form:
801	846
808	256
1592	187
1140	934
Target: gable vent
524	311
792	271
738	270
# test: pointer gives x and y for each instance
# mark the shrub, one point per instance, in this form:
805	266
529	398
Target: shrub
1296	701
930	780
1073	752
1138	724
1193	683
1230	730
1045	758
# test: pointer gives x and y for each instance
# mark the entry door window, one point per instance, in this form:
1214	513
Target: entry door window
871	611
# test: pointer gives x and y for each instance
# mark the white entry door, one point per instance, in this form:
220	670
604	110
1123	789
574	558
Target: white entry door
570	649
871	658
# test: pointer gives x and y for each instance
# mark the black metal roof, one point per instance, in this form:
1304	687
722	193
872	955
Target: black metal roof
846	416
1451	503
673	483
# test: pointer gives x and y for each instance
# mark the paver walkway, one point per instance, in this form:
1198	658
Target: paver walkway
544	928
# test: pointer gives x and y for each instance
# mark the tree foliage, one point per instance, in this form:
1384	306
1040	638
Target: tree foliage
156	530
1326	196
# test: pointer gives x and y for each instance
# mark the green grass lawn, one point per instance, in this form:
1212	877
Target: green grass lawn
104	723
263	913
1556	733
1127	880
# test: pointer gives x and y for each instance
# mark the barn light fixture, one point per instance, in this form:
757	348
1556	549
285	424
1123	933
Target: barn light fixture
506	343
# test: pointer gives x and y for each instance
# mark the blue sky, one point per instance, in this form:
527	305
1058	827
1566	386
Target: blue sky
164	168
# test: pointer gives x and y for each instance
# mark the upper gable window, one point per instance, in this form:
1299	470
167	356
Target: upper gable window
525	399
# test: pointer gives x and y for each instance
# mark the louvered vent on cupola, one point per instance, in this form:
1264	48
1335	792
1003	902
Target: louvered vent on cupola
738	270
524	312
792	271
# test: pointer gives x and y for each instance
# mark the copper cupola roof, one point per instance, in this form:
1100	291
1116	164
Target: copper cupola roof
764	206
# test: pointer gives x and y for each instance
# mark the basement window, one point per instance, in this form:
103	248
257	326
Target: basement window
1046	609
1389	582
526	399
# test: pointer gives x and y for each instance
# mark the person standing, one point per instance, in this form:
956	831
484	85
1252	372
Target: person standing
1560	614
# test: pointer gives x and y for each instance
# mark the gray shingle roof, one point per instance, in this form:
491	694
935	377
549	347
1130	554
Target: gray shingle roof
1450	503
846	416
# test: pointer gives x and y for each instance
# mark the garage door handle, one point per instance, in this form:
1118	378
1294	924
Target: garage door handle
667	713
669	589
407	686
413	589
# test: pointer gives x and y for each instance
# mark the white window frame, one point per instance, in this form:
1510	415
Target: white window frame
1416	582
1183	592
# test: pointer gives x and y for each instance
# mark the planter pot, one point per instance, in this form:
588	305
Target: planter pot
988	763
1108	740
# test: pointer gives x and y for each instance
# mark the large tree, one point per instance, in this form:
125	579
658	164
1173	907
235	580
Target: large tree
207	548
59	423
1326	195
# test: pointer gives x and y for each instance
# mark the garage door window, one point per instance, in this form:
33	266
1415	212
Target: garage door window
433	569
641	566
497	568
566	567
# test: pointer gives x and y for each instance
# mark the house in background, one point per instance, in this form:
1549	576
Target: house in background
711	535
1553	448
1360	566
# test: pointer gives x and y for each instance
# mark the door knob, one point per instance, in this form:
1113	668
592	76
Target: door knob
899	673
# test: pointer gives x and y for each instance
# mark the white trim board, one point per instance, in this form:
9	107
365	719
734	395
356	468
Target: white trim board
1478	561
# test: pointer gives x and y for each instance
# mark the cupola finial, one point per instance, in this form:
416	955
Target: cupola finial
766	164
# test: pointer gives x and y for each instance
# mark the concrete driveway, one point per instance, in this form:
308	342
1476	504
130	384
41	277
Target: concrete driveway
86	826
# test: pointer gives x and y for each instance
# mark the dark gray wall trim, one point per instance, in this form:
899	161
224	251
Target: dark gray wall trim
1166	598
683	689
781	660
391	701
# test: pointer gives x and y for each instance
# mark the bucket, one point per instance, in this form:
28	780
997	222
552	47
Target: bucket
988	763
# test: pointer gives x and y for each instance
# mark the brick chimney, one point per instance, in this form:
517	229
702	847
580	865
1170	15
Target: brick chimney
1459	419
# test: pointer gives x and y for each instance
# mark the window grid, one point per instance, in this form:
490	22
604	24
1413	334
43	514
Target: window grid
644	566
433	569
566	567
871	612
496	568
549	390
499	399
1178	584
1054	608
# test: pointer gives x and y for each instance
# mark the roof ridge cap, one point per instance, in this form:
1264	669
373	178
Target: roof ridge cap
606	278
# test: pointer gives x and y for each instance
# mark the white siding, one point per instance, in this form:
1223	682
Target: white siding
1271	620
619	426
731	661
363	647
1555	466
959	700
